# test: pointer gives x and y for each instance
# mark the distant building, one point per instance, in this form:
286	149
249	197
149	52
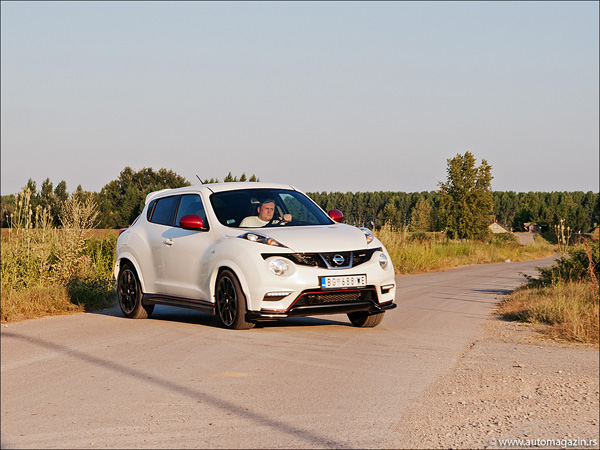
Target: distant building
497	228
531	227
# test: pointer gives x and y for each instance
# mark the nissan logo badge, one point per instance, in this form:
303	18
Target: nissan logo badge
338	260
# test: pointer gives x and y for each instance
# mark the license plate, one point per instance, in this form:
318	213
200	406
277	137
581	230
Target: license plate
348	281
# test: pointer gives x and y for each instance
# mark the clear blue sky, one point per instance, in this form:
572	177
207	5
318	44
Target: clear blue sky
327	96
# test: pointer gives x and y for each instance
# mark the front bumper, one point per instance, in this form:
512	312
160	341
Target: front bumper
313	302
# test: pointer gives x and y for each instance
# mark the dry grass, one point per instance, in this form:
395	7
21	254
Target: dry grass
98	233
431	252
37	301
567	308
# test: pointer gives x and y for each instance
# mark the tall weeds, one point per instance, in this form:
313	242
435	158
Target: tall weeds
47	269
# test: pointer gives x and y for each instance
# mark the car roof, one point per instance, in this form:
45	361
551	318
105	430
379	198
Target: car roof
217	187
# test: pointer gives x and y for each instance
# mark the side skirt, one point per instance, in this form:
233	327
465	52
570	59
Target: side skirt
199	305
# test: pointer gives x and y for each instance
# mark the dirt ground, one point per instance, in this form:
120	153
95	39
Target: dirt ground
510	385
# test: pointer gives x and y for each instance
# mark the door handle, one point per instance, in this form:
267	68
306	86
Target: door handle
168	241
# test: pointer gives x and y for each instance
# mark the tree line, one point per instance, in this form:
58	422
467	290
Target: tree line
453	208
420	211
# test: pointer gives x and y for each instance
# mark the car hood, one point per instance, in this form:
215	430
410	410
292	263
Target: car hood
314	239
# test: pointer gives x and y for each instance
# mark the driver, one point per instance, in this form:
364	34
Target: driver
266	209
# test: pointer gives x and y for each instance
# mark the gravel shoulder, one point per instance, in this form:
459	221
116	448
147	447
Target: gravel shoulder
510	384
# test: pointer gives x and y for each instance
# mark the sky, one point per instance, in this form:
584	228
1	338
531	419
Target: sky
326	96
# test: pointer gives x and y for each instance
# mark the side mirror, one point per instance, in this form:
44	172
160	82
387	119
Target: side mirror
191	222
336	215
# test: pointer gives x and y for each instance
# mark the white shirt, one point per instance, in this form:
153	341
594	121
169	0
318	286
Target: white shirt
253	222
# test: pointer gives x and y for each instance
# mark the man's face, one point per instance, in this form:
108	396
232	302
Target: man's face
266	211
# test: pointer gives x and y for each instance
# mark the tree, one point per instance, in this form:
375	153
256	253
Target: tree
466	199
61	195
421	216
229	178
122	200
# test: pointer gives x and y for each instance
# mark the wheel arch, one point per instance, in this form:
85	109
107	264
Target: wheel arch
238	272
128	258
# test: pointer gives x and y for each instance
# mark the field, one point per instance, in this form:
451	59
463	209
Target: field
432	252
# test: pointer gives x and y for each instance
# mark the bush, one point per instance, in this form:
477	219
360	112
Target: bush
95	288
572	267
91	294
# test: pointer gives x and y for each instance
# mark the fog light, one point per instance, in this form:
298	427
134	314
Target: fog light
275	296
386	288
278	266
383	260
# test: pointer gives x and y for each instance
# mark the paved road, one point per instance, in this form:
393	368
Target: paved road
178	381
525	238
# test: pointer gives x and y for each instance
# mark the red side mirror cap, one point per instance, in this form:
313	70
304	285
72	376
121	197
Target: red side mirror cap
336	215
191	222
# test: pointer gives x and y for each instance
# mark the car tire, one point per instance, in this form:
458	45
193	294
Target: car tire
129	293
231	302
363	319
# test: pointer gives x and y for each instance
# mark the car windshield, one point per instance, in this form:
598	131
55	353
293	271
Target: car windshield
232	207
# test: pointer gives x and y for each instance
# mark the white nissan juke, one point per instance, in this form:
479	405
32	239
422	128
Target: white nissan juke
249	252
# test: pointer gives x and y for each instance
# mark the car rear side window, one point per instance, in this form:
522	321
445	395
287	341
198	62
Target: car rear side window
164	210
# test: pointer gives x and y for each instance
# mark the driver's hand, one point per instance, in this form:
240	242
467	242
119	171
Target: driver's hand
286	218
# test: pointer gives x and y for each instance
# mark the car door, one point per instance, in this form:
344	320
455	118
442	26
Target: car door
185	253
160	221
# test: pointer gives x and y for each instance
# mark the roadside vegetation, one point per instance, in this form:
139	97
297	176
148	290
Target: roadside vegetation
563	297
49	270
418	252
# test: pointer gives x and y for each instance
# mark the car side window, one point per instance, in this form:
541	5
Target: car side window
191	204
164	210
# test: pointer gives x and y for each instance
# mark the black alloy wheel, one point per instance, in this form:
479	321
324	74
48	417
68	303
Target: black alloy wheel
129	293
231	302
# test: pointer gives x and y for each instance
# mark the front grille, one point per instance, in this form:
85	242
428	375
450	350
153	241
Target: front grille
345	261
306	259
326	260
313	298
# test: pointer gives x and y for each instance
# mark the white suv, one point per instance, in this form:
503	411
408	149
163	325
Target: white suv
249	252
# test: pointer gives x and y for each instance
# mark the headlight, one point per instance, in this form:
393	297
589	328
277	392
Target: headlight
257	237
278	266
368	234
383	261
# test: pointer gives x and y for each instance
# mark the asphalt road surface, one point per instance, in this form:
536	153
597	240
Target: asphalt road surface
176	380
